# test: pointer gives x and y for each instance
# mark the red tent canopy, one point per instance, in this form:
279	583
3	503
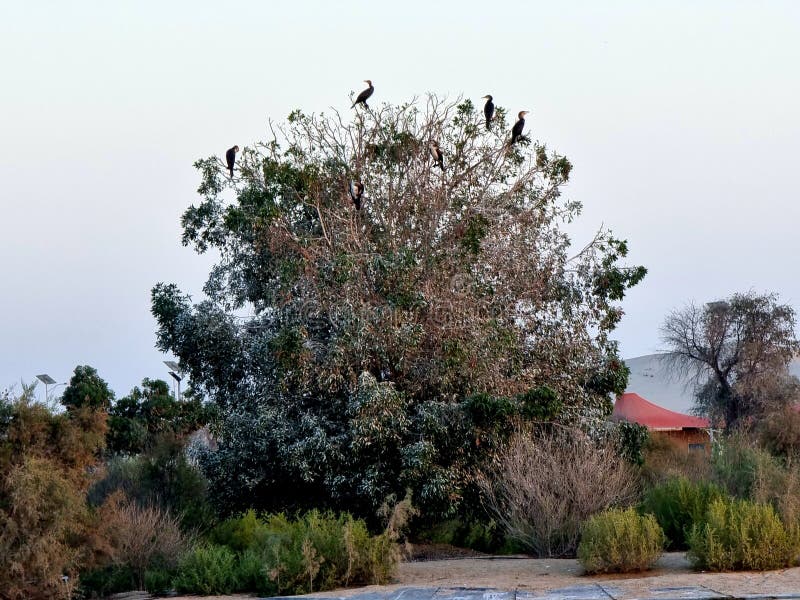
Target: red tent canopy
635	409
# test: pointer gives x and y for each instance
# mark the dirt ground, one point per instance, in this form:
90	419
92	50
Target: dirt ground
540	575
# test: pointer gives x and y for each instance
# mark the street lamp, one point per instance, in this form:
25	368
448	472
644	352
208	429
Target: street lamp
174	370
46	380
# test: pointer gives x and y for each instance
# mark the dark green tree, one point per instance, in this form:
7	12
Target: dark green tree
138	418
87	389
394	346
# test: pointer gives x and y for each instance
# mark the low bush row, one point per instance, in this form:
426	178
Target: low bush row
270	555
720	532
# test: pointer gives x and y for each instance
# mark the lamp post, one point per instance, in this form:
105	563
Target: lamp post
46	380
174	372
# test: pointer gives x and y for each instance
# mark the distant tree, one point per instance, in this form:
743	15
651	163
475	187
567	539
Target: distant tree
87	389
137	419
374	329
737	351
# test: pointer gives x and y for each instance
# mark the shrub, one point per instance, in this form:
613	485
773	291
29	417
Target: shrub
240	533
751	473
620	541
665	460
742	535
317	551
207	569
525	492
161	476
779	432
141	538
158	581
677	505
322	551
45	531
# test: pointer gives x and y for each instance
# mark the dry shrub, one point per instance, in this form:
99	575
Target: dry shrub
141	537
664	460
546	485
41	523
779	432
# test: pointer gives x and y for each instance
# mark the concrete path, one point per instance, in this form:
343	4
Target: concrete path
591	591
504	578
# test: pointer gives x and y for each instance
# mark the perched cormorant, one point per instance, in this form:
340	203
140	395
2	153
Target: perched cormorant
436	153
356	191
230	158
488	111
516	131
364	96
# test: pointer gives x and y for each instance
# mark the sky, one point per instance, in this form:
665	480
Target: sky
682	120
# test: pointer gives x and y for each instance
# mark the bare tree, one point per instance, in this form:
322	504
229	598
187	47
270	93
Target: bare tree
544	486
737	353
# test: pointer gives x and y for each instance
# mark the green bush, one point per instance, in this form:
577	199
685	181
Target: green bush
240	533
158	581
322	551
620	541
677	505
254	575
742	535
207	569
318	551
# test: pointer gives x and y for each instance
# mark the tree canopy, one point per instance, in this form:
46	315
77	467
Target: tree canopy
382	346
737	351
87	389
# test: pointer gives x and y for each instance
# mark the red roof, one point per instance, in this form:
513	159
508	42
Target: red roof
635	409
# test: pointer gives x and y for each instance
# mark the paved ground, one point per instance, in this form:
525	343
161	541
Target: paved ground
531	579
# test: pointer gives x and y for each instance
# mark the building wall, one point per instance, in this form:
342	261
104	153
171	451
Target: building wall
695	440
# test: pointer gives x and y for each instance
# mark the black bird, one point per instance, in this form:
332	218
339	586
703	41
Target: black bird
364	96
230	158
436	153
488	111
516	131
356	191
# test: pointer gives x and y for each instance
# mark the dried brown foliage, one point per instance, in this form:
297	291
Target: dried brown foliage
141	537
546	485
45	465
665	459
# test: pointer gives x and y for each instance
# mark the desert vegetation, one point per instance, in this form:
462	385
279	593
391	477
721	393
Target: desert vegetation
435	363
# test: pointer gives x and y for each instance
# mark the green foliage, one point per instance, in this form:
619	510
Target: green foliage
318	551
208	569
541	404
161	476
240	533
158	581
136	420
87	389
374	332
633	439
620	541
738	466
742	535
483	536
678	505
107	580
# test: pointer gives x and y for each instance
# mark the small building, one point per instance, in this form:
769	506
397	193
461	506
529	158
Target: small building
686	431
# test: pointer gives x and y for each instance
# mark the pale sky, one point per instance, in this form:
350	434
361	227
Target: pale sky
682	120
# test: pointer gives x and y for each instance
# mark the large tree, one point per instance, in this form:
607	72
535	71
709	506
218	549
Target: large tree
388	347
737	352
